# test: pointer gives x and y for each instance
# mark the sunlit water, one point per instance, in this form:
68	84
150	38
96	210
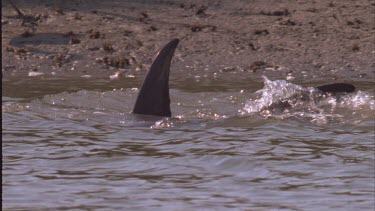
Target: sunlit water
67	146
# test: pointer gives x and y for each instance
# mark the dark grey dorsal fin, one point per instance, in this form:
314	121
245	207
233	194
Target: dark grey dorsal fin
337	87
153	98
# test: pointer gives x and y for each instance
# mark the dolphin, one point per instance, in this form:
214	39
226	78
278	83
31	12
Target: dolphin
153	97
336	88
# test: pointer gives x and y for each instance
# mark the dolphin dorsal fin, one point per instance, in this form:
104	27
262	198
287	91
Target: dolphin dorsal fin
153	98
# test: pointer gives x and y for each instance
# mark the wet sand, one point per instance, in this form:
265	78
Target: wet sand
304	40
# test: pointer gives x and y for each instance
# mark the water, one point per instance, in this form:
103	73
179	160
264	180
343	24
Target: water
73	145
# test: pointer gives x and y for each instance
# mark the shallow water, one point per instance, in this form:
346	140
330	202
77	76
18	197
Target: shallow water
73	144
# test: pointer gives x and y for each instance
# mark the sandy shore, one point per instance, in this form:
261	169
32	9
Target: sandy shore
300	40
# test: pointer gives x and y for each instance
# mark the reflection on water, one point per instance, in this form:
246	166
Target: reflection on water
83	150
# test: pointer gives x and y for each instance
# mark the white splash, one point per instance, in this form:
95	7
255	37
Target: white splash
271	92
281	99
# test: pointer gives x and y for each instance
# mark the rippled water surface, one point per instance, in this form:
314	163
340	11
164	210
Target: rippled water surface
230	145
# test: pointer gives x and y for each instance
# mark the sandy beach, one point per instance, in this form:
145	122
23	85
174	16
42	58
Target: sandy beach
329	40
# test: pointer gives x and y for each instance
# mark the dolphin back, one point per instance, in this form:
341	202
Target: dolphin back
153	98
337	87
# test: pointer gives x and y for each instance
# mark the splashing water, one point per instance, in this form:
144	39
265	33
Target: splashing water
272	92
280	99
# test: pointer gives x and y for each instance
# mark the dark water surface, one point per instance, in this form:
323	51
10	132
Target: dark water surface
73	145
